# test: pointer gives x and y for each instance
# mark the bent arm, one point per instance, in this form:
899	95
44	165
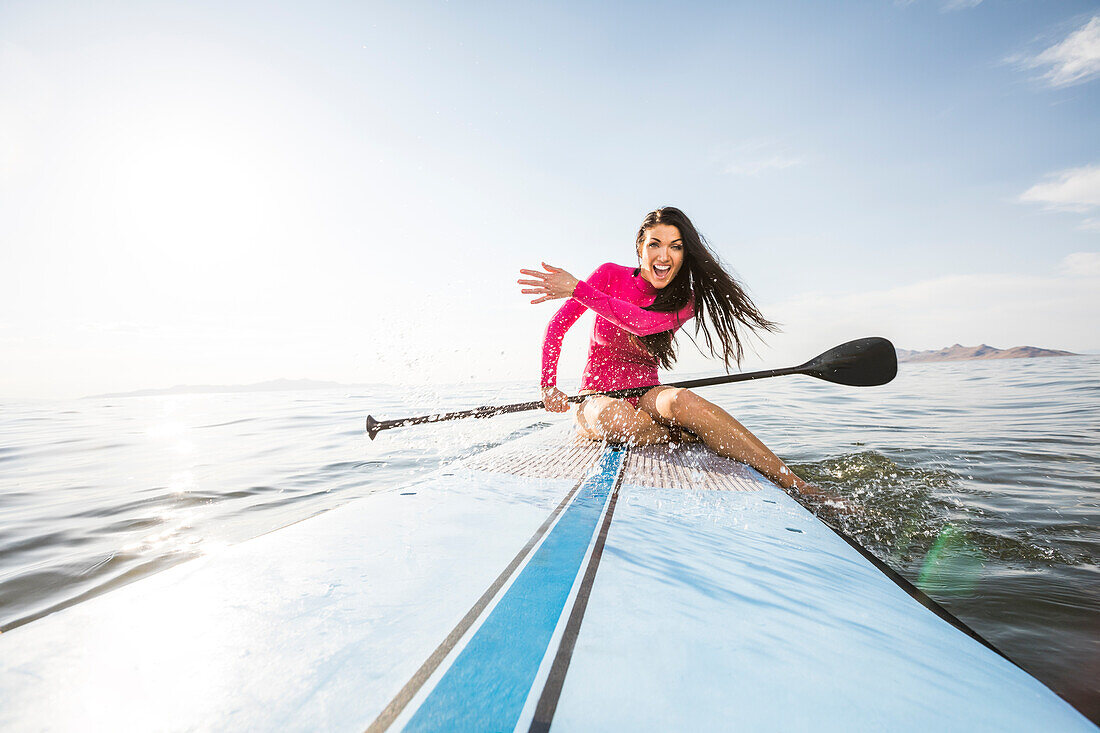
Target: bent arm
562	321
629	317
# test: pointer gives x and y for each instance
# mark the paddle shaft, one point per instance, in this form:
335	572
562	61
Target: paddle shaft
375	426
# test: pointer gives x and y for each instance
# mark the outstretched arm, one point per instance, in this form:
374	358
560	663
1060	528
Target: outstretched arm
629	317
557	283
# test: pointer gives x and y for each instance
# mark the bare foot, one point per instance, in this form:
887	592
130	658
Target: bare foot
821	496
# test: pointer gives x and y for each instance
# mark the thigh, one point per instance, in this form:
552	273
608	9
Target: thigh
591	409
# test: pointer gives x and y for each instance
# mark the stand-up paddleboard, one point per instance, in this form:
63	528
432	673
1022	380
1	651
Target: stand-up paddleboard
545	584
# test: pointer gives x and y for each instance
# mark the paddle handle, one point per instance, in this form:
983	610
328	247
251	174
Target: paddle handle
375	426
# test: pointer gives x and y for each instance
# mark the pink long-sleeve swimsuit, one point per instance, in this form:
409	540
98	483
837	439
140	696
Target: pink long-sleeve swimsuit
615	361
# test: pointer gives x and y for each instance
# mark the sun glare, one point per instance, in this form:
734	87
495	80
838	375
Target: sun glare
191	193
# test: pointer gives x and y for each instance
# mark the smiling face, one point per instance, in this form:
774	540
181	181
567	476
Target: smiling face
661	255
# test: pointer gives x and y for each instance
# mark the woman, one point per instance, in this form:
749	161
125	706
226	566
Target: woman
638	312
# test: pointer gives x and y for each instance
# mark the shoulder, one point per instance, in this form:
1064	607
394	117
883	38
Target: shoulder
612	271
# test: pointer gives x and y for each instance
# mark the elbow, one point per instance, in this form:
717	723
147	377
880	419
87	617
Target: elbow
555	330
647	331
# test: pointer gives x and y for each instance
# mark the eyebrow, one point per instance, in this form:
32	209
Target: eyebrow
674	241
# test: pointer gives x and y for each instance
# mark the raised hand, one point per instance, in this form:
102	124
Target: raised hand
552	284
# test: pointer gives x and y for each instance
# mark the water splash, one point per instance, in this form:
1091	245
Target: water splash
906	514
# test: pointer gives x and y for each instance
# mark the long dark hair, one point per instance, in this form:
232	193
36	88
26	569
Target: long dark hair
718	296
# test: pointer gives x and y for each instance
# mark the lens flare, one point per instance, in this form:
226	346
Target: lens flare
953	566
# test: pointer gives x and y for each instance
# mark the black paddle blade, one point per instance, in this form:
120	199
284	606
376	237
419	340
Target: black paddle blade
866	362
373	426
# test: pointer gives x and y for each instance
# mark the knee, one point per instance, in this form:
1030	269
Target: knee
614	418
678	403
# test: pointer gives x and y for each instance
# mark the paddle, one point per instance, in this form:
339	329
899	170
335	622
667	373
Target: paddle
866	362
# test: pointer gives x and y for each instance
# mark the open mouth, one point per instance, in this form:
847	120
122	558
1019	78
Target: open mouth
661	272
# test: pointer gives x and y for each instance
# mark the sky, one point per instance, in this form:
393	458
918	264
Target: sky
219	193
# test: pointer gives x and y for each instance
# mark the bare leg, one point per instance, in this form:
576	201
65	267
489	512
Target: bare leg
719	430
605	418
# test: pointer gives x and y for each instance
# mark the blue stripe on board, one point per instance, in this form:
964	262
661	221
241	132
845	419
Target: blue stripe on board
487	685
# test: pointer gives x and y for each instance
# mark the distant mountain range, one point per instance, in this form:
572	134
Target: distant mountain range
958	352
274	385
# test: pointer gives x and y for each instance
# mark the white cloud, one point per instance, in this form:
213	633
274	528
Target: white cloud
1081	264
1076	189
753	158
950	5
1074	60
1055	311
946	6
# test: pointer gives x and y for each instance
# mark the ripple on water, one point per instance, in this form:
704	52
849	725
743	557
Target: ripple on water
47	590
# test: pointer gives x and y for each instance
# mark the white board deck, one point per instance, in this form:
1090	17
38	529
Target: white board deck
483	600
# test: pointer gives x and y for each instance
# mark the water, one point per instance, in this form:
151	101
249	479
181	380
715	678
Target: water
978	481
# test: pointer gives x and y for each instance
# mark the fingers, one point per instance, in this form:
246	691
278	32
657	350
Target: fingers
543	285
554	400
